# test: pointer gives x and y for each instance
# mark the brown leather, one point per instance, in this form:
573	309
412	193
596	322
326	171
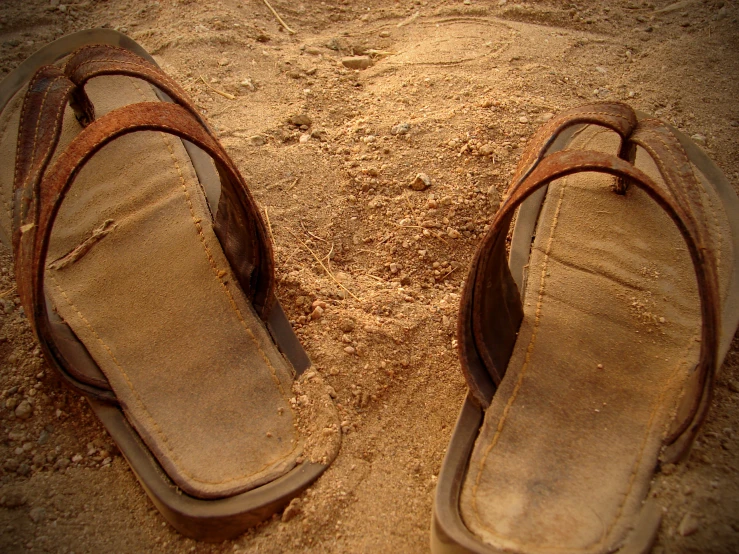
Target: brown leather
41	119
103	59
490	310
487	329
238	224
616	116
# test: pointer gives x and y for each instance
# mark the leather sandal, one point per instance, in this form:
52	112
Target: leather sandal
147	275
590	340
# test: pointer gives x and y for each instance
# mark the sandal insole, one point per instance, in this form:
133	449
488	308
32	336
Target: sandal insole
158	308
569	444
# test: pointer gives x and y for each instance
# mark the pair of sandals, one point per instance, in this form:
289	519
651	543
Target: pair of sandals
589	339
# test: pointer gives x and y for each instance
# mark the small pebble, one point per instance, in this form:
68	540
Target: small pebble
299	119
453	233
257	140
37	514
317	313
304	138
347	325
421	182
401	129
349	350
689	525
292	510
357	62
24	410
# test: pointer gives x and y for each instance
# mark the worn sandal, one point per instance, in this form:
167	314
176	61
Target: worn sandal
590	352
146	273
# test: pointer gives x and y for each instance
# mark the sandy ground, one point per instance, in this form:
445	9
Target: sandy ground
472	81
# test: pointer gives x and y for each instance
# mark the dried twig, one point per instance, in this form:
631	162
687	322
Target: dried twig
327	270
269	224
408	21
302	225
295	182
288	29
7	292
224	94
443	277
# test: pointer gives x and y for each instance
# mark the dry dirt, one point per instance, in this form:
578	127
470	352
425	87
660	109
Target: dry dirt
472	80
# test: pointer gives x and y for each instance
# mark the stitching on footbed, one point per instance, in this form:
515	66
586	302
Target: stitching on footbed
172	455
512	399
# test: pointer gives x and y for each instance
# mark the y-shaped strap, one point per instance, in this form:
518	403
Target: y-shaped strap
103	59
491	310
157	116
490	297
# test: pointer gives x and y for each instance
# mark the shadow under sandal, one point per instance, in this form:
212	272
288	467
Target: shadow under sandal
147	275
591	351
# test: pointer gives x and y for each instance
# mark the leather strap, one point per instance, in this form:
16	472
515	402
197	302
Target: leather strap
38	195
616	116
38	135
491	311
486	346
103	59
157	116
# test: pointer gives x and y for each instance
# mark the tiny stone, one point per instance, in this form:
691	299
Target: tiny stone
257	140
316	313
384	34
224	62
523	119
453	233
421	182
689	525
400	129
292	510
11	403
346	325
700	139
668	469
37	514
61	463
300	119
24	410
77	458
357	62
319	134
600	366
305	137
486	149
23	469
349	350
